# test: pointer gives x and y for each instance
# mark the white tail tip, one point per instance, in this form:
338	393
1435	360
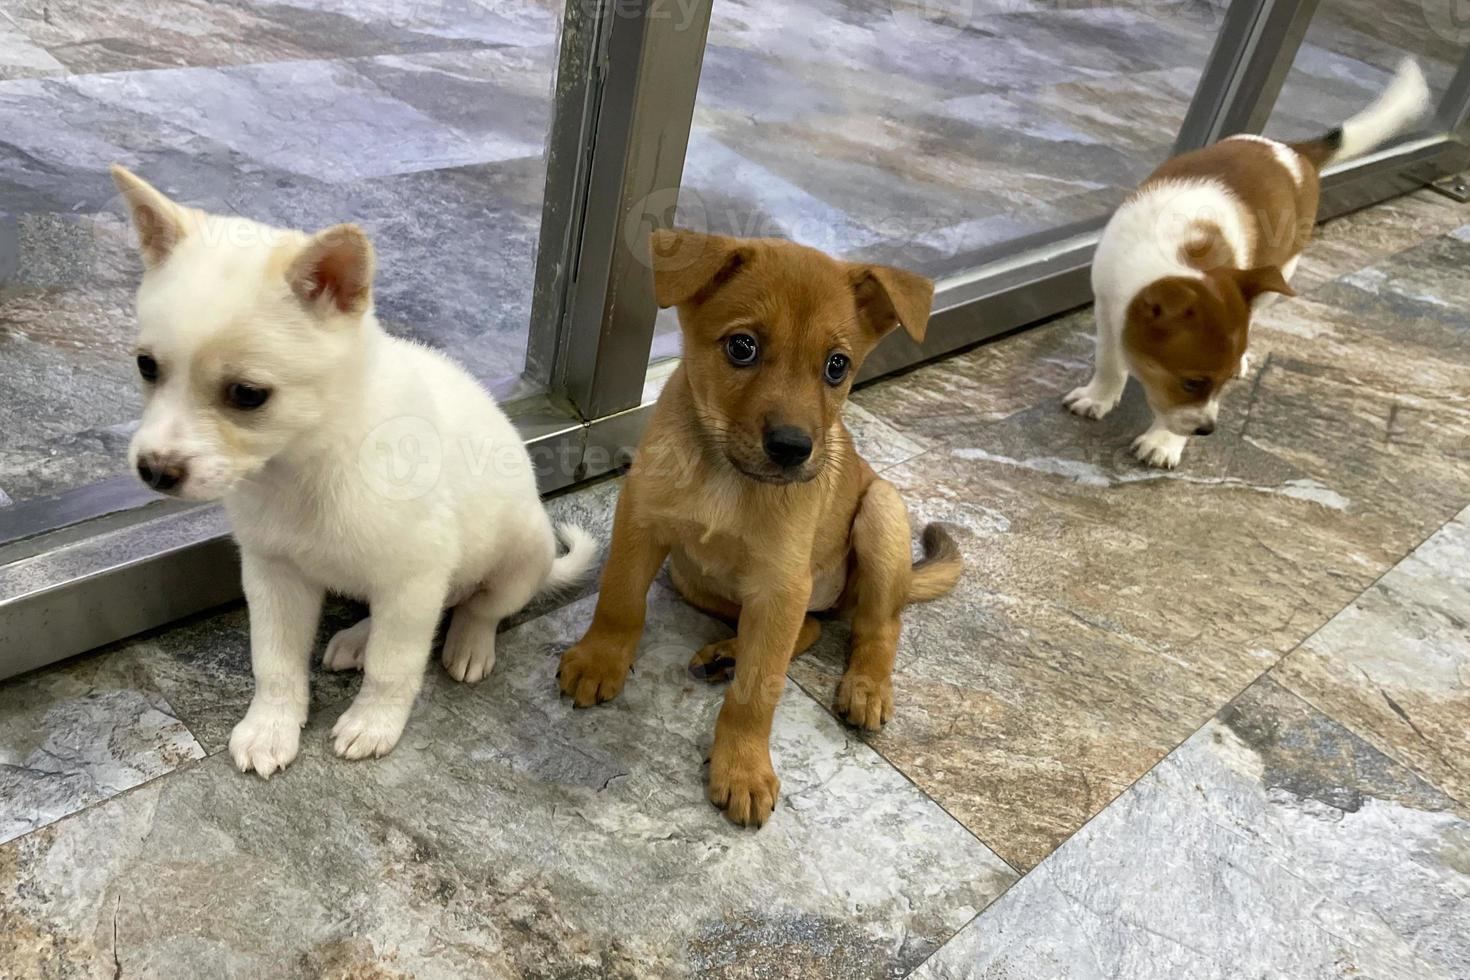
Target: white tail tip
571	568
1402	104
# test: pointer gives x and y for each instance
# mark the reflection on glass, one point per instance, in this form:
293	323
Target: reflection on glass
422	120
1350	52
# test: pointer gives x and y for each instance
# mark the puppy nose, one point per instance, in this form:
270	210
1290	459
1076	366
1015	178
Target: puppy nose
161	473
786	445
1205	429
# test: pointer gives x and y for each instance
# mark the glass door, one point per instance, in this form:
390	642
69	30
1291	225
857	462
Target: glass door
510	157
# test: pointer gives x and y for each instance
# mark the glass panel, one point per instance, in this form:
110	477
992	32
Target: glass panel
930	133
422	120
1350	53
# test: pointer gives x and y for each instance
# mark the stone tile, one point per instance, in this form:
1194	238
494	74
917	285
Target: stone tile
20	57
1370	236
76	735
313	118
510	833
1395	665
1344	451
203	666
133	35
1272	843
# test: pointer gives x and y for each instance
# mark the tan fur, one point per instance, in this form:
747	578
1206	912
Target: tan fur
747	541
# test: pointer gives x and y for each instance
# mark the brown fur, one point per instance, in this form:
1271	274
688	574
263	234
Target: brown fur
1185	336
746	540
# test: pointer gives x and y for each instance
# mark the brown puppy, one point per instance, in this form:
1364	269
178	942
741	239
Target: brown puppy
1209	237
748	479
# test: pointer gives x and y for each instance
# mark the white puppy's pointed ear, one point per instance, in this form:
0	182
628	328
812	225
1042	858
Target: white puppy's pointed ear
334	272
158	221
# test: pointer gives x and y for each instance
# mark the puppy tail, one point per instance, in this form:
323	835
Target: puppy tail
570	569
1401	105
939	569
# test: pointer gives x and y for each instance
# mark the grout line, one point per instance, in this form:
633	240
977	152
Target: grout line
1265	674
1366	737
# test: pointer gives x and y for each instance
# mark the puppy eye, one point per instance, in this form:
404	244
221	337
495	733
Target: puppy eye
741	349
836	370
247	397
147	367
1196	386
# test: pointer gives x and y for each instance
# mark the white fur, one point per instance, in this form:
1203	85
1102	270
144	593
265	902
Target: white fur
1144	242
1402	104
1285	155
1145	238
378	469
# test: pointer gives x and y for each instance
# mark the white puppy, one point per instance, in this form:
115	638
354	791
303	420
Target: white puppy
1209	237
348	460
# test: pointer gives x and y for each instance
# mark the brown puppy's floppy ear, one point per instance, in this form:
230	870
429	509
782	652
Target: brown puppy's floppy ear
1262	279
334	272
888	297
689	266
158	221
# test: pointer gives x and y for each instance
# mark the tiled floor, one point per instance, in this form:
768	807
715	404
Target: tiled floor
891	132
1209	724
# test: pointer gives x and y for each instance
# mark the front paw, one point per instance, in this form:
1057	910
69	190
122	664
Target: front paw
865	702
593	671
1159	447
266	740
1244	367
1089	402
743	783
369	728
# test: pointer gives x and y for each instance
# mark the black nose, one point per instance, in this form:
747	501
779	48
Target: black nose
1205	429
787	446
160	474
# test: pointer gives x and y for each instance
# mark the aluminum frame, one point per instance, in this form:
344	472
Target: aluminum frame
593	314
616	153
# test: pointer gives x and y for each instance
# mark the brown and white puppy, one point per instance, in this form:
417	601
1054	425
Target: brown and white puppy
747	479
1208	237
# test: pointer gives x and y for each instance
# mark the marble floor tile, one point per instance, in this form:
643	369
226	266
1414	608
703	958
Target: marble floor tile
134	35
1345	450
1367	237
1273	843
79	734
274	114
1395	665
508	832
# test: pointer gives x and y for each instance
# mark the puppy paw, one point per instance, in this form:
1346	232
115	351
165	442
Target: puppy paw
266	741
863	701
1089	402
345	648
369	728
592	672
714	663
469	653
1159	447
743	784
1244	367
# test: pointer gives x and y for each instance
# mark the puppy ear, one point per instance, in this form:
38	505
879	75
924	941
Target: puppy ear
334	272
689	266
158	221
1164	302
888	297
1262	279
